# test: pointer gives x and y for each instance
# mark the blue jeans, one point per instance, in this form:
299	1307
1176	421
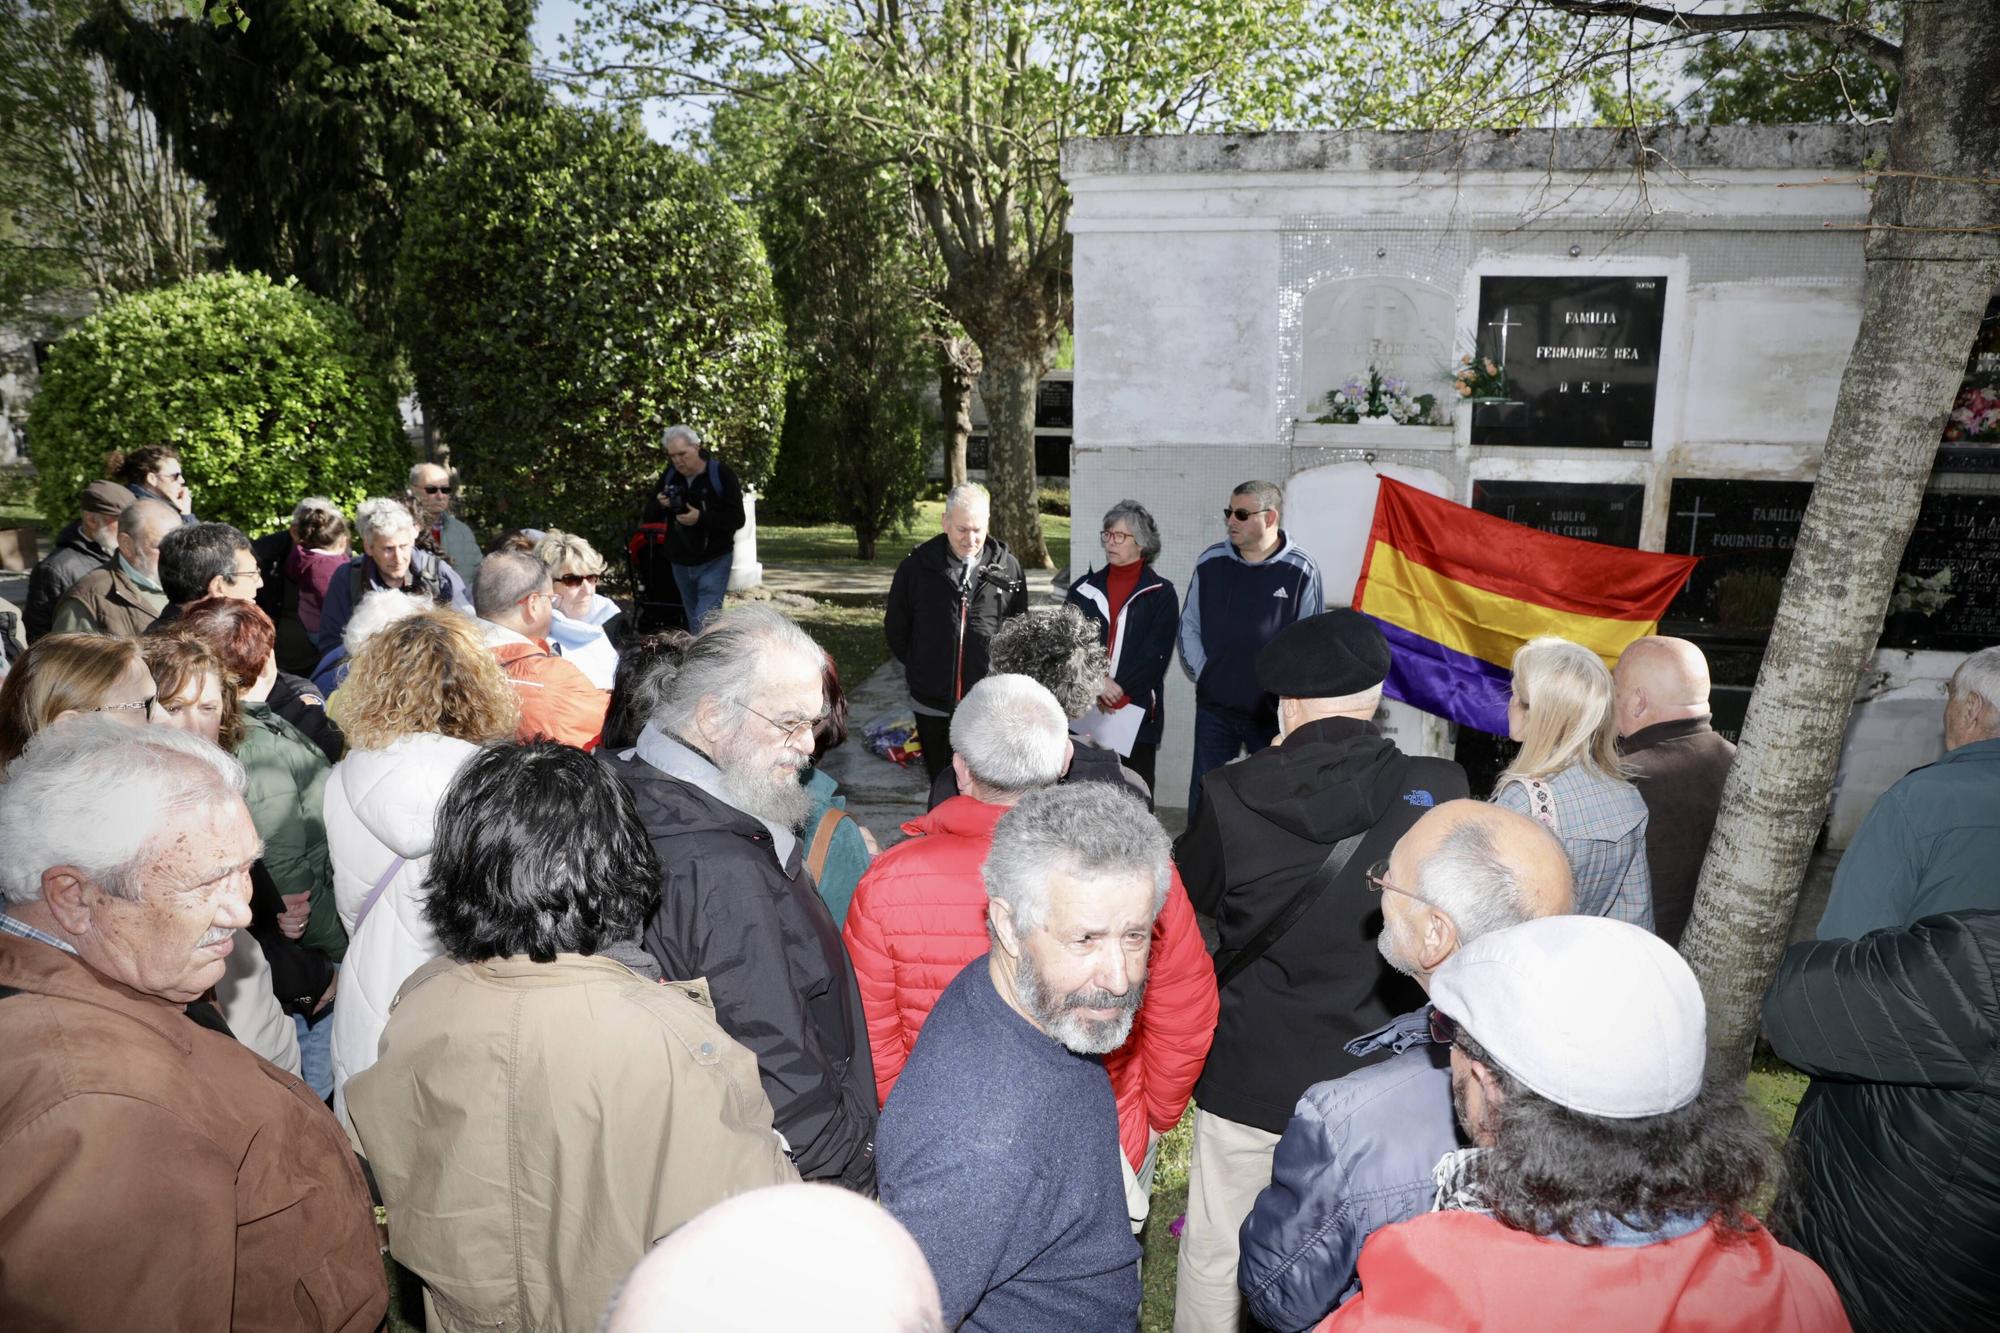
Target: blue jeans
702	587
316	1051
1218	738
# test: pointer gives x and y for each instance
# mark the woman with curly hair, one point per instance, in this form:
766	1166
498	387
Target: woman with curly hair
421	697
153	472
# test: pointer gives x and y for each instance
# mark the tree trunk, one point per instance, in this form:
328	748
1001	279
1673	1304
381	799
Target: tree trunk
1930	272
955	413
1007	384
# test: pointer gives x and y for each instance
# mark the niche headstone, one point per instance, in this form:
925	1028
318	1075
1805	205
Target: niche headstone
1400	326
1581	358
1610	513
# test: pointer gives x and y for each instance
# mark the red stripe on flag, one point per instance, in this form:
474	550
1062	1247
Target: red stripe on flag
1522	563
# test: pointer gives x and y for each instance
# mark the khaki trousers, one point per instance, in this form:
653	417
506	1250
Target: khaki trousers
1230	1165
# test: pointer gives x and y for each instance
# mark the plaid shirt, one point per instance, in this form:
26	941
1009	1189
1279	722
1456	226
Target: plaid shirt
9	926
1601	823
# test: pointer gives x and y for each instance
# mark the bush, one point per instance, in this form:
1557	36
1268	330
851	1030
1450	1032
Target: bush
269	393
569	289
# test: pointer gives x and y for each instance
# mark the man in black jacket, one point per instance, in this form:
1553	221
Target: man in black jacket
1892	1182
1279	856
87	545
947	600
701	502
715	775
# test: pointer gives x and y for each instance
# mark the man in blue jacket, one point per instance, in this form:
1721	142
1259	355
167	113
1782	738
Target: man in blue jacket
1360	1150
1931	841
1243	591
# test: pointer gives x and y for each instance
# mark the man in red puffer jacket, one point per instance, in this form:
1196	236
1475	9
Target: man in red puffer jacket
919	916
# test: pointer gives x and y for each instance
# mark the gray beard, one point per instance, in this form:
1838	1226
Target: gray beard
1058	1018
780	801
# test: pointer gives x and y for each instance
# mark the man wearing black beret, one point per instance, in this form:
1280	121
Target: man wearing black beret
1279	857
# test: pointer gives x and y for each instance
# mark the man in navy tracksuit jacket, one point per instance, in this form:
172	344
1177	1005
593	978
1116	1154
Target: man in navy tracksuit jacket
1242	593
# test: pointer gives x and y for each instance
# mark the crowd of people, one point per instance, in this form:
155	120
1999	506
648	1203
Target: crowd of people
367	890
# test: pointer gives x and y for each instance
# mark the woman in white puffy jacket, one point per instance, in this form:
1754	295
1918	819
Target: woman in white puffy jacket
420	698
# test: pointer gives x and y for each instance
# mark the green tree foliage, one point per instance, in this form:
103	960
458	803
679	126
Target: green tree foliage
970	101
850	278
568	289
269	393
1788	78
306	120
94	203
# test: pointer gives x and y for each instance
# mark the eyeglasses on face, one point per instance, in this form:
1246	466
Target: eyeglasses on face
800	729
235	576
143	706
1112	537
1244	515
577	580
438	490
1444	1028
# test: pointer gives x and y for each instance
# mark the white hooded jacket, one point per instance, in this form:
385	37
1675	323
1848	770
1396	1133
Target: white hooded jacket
380	804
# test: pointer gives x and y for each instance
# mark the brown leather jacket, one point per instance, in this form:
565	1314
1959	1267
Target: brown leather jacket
104	601
158	1175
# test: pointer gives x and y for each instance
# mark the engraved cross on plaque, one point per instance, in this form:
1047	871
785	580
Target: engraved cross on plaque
1504	323
1697	514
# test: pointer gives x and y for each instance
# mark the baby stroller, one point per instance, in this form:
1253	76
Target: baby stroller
656	598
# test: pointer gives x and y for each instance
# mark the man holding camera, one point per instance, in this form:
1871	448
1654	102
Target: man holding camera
701	502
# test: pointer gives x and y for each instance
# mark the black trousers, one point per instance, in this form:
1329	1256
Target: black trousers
934	734
1140	761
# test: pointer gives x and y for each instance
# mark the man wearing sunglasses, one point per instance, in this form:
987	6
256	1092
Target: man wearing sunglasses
1243	591
430	500
1359	1151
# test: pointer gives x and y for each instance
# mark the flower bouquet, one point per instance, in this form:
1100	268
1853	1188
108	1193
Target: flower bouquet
1376	400
1480	380
1975	417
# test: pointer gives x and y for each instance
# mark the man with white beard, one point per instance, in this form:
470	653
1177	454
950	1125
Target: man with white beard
999	1145
715	775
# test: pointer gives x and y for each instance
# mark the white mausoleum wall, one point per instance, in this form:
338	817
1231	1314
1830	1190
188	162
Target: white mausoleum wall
1222	282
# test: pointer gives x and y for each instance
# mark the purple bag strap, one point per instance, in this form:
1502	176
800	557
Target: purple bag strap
374	893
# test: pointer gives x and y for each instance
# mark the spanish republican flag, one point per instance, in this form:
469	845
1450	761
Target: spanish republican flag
1457	591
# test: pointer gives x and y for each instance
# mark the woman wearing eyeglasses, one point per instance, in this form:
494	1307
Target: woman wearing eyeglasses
1568	776
66	675
154	473
1137	612
589	627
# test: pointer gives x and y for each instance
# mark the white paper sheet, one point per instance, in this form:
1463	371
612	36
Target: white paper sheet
1115	730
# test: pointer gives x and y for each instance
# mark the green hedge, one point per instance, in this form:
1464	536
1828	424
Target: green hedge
567	290
269	393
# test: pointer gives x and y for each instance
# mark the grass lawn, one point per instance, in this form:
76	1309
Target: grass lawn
833	543
17	500
851	630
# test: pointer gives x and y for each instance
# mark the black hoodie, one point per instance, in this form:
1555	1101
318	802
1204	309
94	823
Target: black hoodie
1266	826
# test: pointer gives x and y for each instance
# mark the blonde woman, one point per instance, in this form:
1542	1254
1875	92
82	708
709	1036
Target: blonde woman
588	625
64	675
1568	777
421	697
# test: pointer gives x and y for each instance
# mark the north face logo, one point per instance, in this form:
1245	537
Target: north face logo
1420	797
1282	593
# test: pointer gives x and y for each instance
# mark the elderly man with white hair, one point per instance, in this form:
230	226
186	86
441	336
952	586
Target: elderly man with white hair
430	493
716	777
159	1175
389	559
946	602
700	501
785	1256
999	1145
1931	842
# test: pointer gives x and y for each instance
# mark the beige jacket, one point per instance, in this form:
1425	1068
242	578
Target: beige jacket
534	1127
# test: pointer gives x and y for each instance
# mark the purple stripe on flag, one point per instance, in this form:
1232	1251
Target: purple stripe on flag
1441	680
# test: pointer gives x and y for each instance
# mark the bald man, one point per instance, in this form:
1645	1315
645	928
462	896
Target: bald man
789	1256
1677	762
1359	1152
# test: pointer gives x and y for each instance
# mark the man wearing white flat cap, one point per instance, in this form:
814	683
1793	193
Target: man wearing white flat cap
1609	1187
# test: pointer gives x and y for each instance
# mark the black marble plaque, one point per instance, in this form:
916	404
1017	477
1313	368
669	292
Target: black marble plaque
1972	431
1588	511
1581	357
1744	531
1948	590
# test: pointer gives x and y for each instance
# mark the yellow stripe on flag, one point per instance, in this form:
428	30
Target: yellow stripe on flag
1480	623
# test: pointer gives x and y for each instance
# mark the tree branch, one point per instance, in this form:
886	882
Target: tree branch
1884	55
